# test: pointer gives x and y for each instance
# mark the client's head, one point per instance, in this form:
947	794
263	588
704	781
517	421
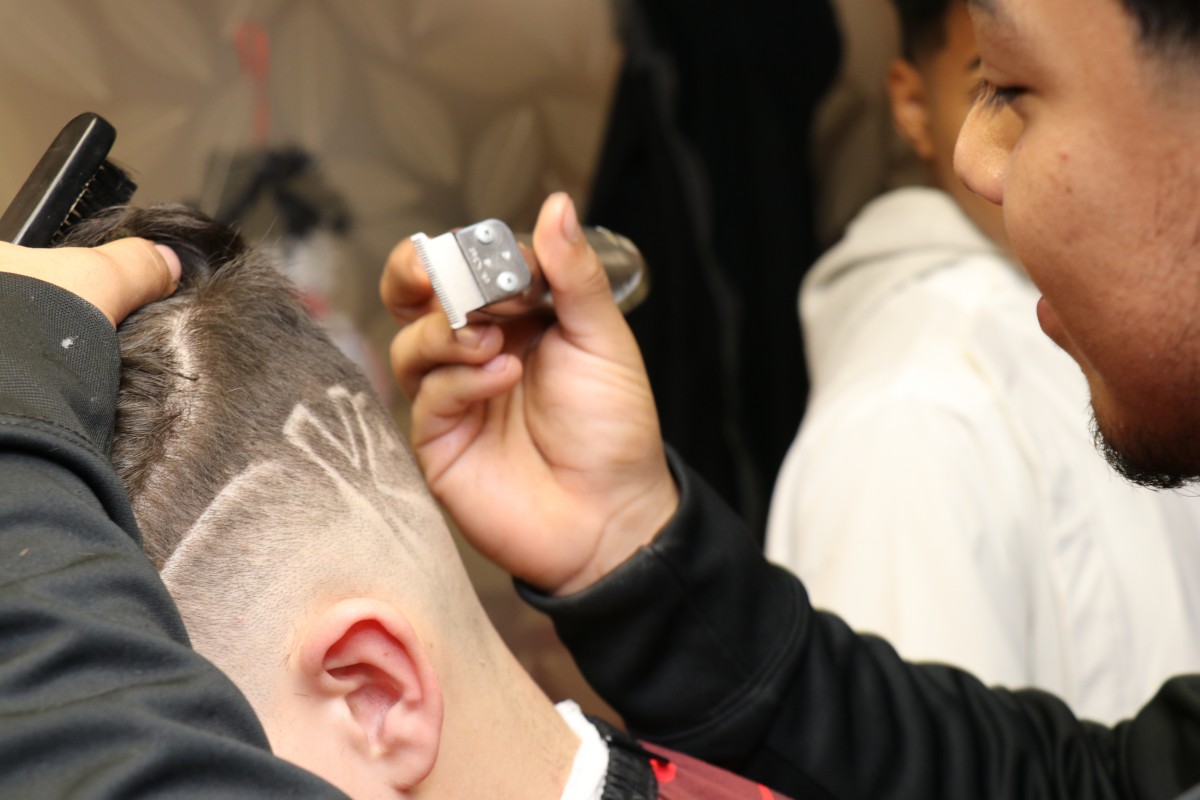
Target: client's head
291	525
932	87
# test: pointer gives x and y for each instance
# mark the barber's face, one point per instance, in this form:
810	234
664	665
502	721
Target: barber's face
1100	188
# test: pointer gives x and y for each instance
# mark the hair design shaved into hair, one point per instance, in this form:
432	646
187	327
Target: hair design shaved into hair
262	469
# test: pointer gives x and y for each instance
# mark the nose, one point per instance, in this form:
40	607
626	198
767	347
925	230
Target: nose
981	153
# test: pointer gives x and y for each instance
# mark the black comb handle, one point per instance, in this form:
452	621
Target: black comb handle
60	179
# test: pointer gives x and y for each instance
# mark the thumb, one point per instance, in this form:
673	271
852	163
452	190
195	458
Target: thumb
117	278
134	272
583	298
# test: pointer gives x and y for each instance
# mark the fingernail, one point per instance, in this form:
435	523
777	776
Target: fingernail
172	259
496	364
468	337
570	220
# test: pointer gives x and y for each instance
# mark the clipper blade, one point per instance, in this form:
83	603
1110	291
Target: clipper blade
474	267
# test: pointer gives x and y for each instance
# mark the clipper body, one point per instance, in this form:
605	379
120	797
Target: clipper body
481	265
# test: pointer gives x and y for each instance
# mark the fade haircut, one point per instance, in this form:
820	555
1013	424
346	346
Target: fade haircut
922	27
263	471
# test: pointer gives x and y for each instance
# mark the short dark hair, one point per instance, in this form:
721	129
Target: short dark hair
922	26
1169	28
263	471
233	325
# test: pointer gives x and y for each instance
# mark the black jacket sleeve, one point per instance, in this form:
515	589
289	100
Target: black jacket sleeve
100	694
702	645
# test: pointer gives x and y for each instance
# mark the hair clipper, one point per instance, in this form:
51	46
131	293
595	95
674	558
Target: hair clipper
480	266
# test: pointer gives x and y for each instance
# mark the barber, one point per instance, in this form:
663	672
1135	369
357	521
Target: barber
100	694
541	439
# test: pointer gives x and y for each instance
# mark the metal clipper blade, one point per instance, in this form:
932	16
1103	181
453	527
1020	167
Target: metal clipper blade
481	266
473	267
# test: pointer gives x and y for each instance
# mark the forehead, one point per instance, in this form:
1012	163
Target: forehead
1069	20
1100	42
1001	16
1089	40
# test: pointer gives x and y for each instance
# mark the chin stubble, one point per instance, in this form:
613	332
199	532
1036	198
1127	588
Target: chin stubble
1148	466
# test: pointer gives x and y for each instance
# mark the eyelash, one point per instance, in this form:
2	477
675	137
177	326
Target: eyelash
993	97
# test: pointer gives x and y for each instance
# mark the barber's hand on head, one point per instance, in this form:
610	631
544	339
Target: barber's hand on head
117	278
540	435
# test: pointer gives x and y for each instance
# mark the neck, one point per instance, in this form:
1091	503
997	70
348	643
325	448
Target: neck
502	737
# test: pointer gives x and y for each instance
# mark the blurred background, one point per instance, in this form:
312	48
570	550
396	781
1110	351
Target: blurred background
731	141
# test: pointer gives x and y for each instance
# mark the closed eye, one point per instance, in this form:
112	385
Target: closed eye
995	98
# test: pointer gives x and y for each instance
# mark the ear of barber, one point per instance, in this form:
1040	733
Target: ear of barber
564	404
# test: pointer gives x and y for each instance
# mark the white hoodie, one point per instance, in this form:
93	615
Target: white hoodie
944	490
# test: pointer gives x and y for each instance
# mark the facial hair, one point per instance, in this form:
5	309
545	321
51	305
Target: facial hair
1149	465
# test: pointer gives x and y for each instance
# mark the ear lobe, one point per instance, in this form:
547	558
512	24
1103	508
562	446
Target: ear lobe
366	657
910	107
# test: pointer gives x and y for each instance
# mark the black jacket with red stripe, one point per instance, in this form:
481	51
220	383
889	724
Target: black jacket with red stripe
644	771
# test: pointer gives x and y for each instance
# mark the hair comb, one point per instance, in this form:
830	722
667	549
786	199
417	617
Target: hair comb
73	181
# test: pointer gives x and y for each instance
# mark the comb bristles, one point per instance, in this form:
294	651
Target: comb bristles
110	186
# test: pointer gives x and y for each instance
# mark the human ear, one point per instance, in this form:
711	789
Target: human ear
363	662
909	98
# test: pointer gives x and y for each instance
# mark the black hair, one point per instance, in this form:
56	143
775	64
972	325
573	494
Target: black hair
261	469
209	375
1169	28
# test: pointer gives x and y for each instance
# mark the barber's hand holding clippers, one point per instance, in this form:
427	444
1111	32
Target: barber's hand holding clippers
538	433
